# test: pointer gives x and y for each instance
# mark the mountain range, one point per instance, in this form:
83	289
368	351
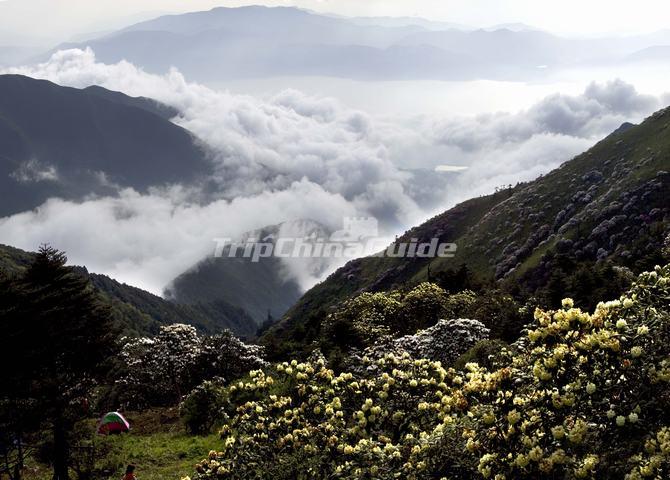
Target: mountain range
255	42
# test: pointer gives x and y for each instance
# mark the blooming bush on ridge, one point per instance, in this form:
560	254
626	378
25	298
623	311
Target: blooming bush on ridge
581	395
158	371
445	342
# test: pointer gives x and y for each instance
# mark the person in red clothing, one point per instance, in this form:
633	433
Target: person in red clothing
130	473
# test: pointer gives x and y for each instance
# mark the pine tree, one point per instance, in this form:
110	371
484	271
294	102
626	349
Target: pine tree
55	339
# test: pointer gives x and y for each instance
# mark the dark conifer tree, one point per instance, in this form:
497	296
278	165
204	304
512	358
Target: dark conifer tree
56	336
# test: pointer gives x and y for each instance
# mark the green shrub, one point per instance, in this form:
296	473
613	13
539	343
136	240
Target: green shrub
489	354
204	407
363	320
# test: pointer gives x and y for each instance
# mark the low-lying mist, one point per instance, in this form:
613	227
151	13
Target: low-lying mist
286	155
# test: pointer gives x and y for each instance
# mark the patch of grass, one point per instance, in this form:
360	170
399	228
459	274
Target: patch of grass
162	456
157	445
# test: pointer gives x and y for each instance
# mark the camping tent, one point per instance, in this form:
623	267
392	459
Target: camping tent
113	422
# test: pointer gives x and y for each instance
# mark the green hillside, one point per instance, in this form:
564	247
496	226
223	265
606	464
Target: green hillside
257	287
261	288
139	312
606	207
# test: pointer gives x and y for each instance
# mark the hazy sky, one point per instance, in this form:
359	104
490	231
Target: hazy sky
71	17
565	15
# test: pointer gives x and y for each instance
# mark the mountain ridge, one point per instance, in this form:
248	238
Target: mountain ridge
139	312
605	206
64	142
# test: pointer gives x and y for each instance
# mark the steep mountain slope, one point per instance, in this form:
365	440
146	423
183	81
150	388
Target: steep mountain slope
139	312
13	260
260	288
609	204
65	142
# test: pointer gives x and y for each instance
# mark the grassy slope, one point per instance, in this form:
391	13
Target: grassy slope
626	160
208	317
12	260
157	445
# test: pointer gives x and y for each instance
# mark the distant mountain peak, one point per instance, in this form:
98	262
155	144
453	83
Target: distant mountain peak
624	127
513	27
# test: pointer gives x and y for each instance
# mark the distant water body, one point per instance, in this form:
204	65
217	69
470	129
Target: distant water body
450	98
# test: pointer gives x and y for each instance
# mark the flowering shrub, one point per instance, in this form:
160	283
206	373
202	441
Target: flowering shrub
582	395
445	342
160	370
581	391
363	320
427	302
300	420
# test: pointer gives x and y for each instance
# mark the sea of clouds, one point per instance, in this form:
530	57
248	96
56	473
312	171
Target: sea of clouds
296	156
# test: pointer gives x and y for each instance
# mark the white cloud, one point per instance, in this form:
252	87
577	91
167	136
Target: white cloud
517	162
149	239
259	144
34	171
295	156
506	148
450	168
596	112
290	156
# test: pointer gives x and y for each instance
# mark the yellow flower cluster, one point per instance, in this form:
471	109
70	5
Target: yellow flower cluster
579	388
655	462
572	363
305	409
